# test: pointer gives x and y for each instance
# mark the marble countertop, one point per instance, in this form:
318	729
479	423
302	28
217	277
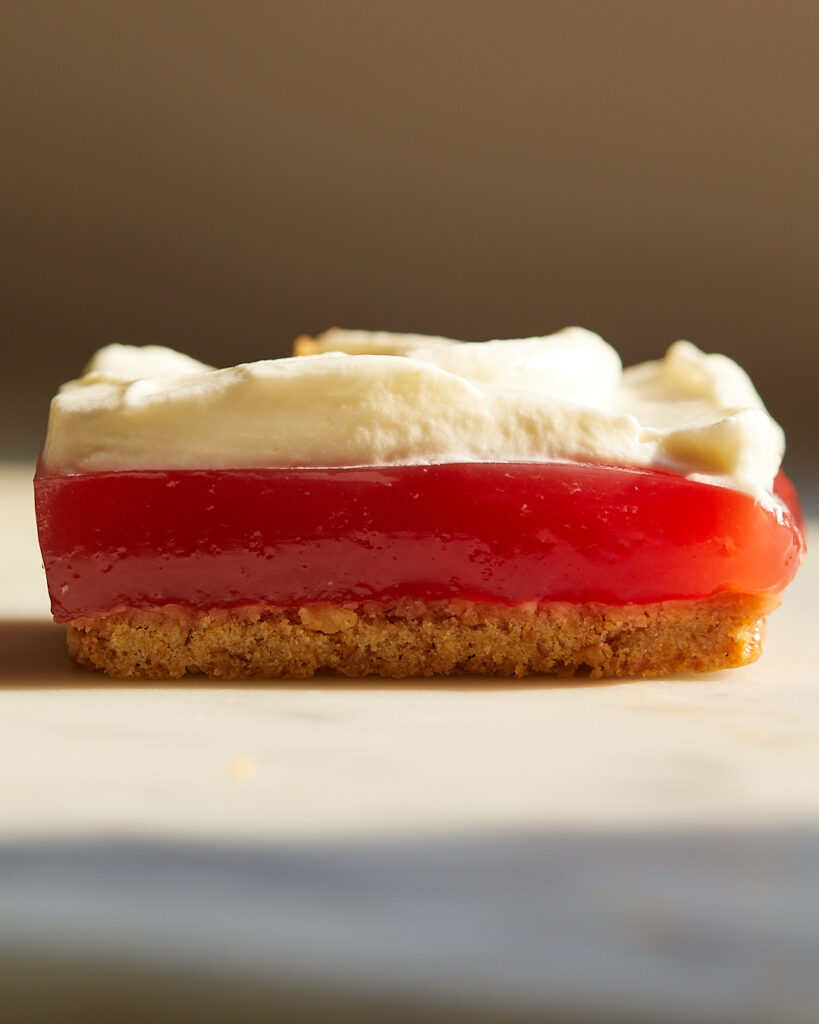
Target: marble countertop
636	850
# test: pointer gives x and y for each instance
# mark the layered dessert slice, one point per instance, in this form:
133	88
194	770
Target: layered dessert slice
403	506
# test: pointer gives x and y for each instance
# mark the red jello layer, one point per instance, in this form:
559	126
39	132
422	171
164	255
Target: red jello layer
497	532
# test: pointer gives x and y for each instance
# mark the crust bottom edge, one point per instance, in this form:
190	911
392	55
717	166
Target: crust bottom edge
416	638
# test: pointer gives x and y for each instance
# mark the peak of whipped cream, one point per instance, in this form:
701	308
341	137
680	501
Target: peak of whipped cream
353	398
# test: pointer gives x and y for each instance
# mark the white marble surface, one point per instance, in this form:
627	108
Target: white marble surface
633	851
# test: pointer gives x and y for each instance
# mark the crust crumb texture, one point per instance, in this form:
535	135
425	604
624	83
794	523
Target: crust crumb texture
416	638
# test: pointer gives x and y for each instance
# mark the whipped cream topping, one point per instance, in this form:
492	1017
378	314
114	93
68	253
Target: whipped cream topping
354	398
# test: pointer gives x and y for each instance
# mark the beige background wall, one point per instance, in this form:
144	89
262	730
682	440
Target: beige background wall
223	176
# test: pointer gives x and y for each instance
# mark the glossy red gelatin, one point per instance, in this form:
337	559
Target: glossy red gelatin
497	532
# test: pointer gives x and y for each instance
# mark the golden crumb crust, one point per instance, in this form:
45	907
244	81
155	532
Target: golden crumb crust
304	345
417	638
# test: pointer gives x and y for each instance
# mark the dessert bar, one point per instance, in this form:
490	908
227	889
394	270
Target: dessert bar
404	506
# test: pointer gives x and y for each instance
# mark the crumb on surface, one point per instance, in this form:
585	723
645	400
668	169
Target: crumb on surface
241	767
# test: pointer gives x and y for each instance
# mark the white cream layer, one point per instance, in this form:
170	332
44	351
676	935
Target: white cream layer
368	398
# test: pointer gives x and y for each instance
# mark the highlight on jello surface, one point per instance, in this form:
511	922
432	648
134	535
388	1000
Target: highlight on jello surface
406	505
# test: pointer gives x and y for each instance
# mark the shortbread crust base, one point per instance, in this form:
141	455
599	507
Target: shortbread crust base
417	638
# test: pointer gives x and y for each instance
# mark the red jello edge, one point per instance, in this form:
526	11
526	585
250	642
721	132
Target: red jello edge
497	532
